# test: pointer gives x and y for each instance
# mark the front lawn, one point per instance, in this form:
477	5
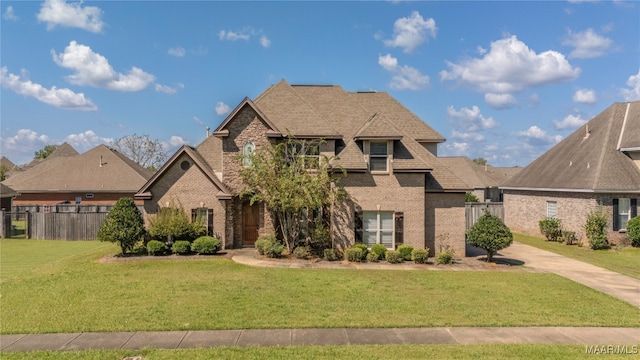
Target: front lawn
625	261
78	293
365	352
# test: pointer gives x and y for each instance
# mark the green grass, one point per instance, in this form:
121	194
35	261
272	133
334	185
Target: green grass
625	261
368	352
77	293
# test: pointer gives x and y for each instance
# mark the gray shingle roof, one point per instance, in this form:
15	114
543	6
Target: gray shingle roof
478	176
589	159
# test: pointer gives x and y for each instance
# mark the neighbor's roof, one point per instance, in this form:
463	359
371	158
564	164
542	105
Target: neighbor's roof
100	169
63	151
6	191
4	161
590	159
476	175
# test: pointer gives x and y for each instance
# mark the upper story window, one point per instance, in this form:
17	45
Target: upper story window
307	152
378	154
247	152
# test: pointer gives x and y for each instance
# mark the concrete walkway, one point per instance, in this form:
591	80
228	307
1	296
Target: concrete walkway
609	282
291	337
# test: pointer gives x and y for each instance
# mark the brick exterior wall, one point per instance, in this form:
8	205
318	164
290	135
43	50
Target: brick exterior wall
524	209
393	192
445	222
58	198
190	189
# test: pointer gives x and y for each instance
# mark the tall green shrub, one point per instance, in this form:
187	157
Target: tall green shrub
633	231
172	223
596	230
551	228
123	225
491	234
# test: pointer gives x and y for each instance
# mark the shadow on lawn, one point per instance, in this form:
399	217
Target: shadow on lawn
481	255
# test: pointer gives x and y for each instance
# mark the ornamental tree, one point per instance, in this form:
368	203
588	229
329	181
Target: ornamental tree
292	179
123	225
491	234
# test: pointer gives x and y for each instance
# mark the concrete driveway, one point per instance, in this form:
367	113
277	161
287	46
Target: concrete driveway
609	282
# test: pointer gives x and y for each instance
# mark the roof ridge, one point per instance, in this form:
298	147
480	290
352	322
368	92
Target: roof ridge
603	149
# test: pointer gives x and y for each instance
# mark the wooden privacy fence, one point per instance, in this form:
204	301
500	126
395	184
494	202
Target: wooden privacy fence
65	226
473	211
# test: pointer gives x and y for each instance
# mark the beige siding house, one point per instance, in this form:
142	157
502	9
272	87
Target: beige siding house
400	193
596	167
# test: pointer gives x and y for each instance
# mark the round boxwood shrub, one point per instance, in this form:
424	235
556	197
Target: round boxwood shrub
302	252
269	246
373	257
405	251
181	247
331	255
420	256
445	258
155	248
364	248
353	254
379	250
206	245
393	257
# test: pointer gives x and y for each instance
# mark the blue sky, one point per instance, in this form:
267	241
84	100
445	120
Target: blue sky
500	80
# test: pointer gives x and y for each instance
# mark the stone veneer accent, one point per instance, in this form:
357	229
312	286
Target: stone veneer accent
524	209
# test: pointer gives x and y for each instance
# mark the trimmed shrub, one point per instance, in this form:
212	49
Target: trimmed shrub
353	254
155	248
269	246
489	233
393	257
331	255
550	228
379	250
420	256
364	248
206	245
633	231
596	230
302	252
445	257
405	251
373	257
123	225
181	247
569	237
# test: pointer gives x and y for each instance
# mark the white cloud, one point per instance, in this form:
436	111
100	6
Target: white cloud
585	96
587	44
94	70
410	32
62	98
570	122
265	42
469	120
176	141
86	140
23	145
467	136
59	12
9	14
633	93
500	101
233	36
177	51
404	77
222	108
197	121
535	136
168	89
510	66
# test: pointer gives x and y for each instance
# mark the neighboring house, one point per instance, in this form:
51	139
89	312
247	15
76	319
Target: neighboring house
399	191
99	176
483	179
596	167
6	196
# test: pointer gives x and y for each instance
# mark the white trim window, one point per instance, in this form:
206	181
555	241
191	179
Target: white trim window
378	156
247	151
552	209
378	228
624	212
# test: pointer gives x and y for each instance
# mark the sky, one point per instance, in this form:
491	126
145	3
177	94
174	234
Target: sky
498	79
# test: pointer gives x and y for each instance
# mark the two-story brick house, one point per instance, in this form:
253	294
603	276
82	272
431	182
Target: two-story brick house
399	192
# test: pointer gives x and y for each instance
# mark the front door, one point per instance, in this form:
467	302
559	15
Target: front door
250	224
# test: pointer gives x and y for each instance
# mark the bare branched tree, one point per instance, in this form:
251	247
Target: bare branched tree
141	149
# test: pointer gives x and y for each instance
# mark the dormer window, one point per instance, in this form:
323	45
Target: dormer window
378	154
247	152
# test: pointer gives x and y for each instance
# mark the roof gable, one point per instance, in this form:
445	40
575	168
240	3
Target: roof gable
222	131
145	191
588	159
